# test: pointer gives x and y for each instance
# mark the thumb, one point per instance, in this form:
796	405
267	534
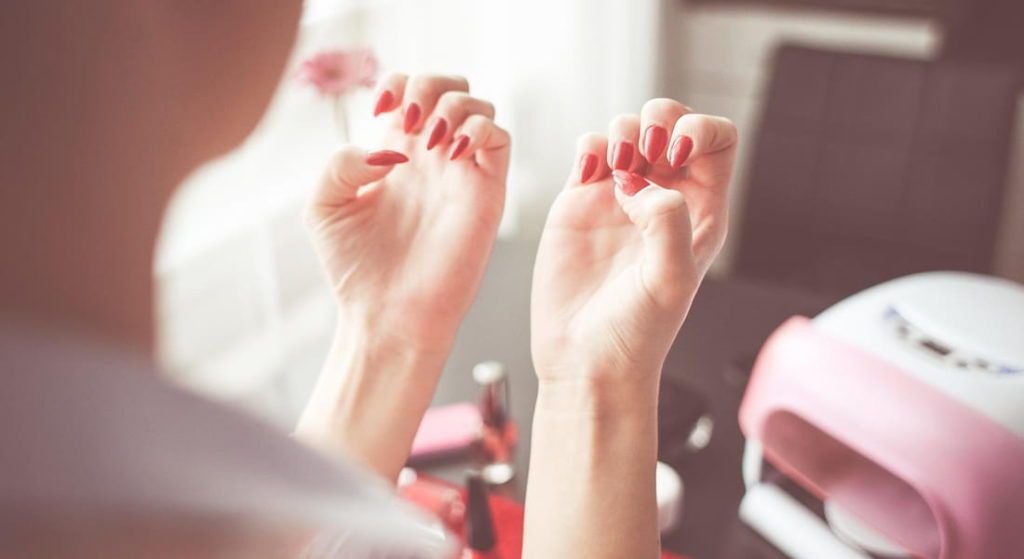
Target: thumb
350	169
663	218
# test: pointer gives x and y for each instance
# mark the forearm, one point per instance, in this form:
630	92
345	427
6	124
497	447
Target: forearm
591	486
370	398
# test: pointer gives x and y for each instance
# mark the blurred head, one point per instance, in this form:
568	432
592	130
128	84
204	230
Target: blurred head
97	86
107	107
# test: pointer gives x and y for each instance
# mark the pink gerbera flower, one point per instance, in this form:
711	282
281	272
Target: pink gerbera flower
335	72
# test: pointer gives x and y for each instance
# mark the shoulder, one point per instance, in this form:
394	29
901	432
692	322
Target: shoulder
89	426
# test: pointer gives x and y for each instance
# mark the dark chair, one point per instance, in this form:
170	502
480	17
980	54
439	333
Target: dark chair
872	167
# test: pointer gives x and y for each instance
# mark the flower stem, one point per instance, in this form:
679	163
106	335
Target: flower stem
340	119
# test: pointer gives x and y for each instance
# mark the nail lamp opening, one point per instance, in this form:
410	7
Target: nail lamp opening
903	407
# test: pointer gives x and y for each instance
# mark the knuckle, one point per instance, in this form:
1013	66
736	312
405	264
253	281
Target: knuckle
477	121
416	90
719	131
453	99
394	77
705	124
425	84
667	202
460	81
689	119
475	126
624	126
589	140
337	159
729	130
345	154
625	120
662	105
500	134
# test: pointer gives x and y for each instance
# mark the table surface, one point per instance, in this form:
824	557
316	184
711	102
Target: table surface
727	324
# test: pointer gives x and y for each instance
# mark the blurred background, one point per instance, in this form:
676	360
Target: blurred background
878	138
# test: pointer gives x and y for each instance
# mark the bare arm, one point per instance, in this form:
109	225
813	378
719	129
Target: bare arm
620	259
370	398
592	464
404	236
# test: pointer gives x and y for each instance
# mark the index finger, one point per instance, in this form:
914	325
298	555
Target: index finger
710	153
711	142
390	91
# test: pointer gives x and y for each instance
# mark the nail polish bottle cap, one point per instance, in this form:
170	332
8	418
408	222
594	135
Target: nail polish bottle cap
493	380
489	372
406	476
479	524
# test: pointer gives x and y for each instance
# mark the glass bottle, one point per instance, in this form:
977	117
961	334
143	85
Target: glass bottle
499	431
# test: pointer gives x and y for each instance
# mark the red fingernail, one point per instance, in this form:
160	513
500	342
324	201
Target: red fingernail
588	164
440	129
623	156
629	183
680	151
412	116
385	157
655	139
460	146
383	102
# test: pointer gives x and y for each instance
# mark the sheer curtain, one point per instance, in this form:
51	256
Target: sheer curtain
243	311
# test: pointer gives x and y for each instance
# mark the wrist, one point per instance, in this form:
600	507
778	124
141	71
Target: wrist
365	358
375	331
599	397
371	396
380	336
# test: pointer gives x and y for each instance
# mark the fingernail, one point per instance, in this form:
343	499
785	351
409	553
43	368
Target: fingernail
629	183
383	102
623	156
680	151
655	138
460	146
588	164
440	129
412	116
385	157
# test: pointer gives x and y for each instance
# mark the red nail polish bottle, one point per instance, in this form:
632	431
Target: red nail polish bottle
500	432
481	540
438	498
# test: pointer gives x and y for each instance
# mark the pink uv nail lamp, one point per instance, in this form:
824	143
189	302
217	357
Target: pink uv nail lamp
901	409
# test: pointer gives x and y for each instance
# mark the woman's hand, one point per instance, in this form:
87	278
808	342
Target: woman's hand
405	243
618	266
404	234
